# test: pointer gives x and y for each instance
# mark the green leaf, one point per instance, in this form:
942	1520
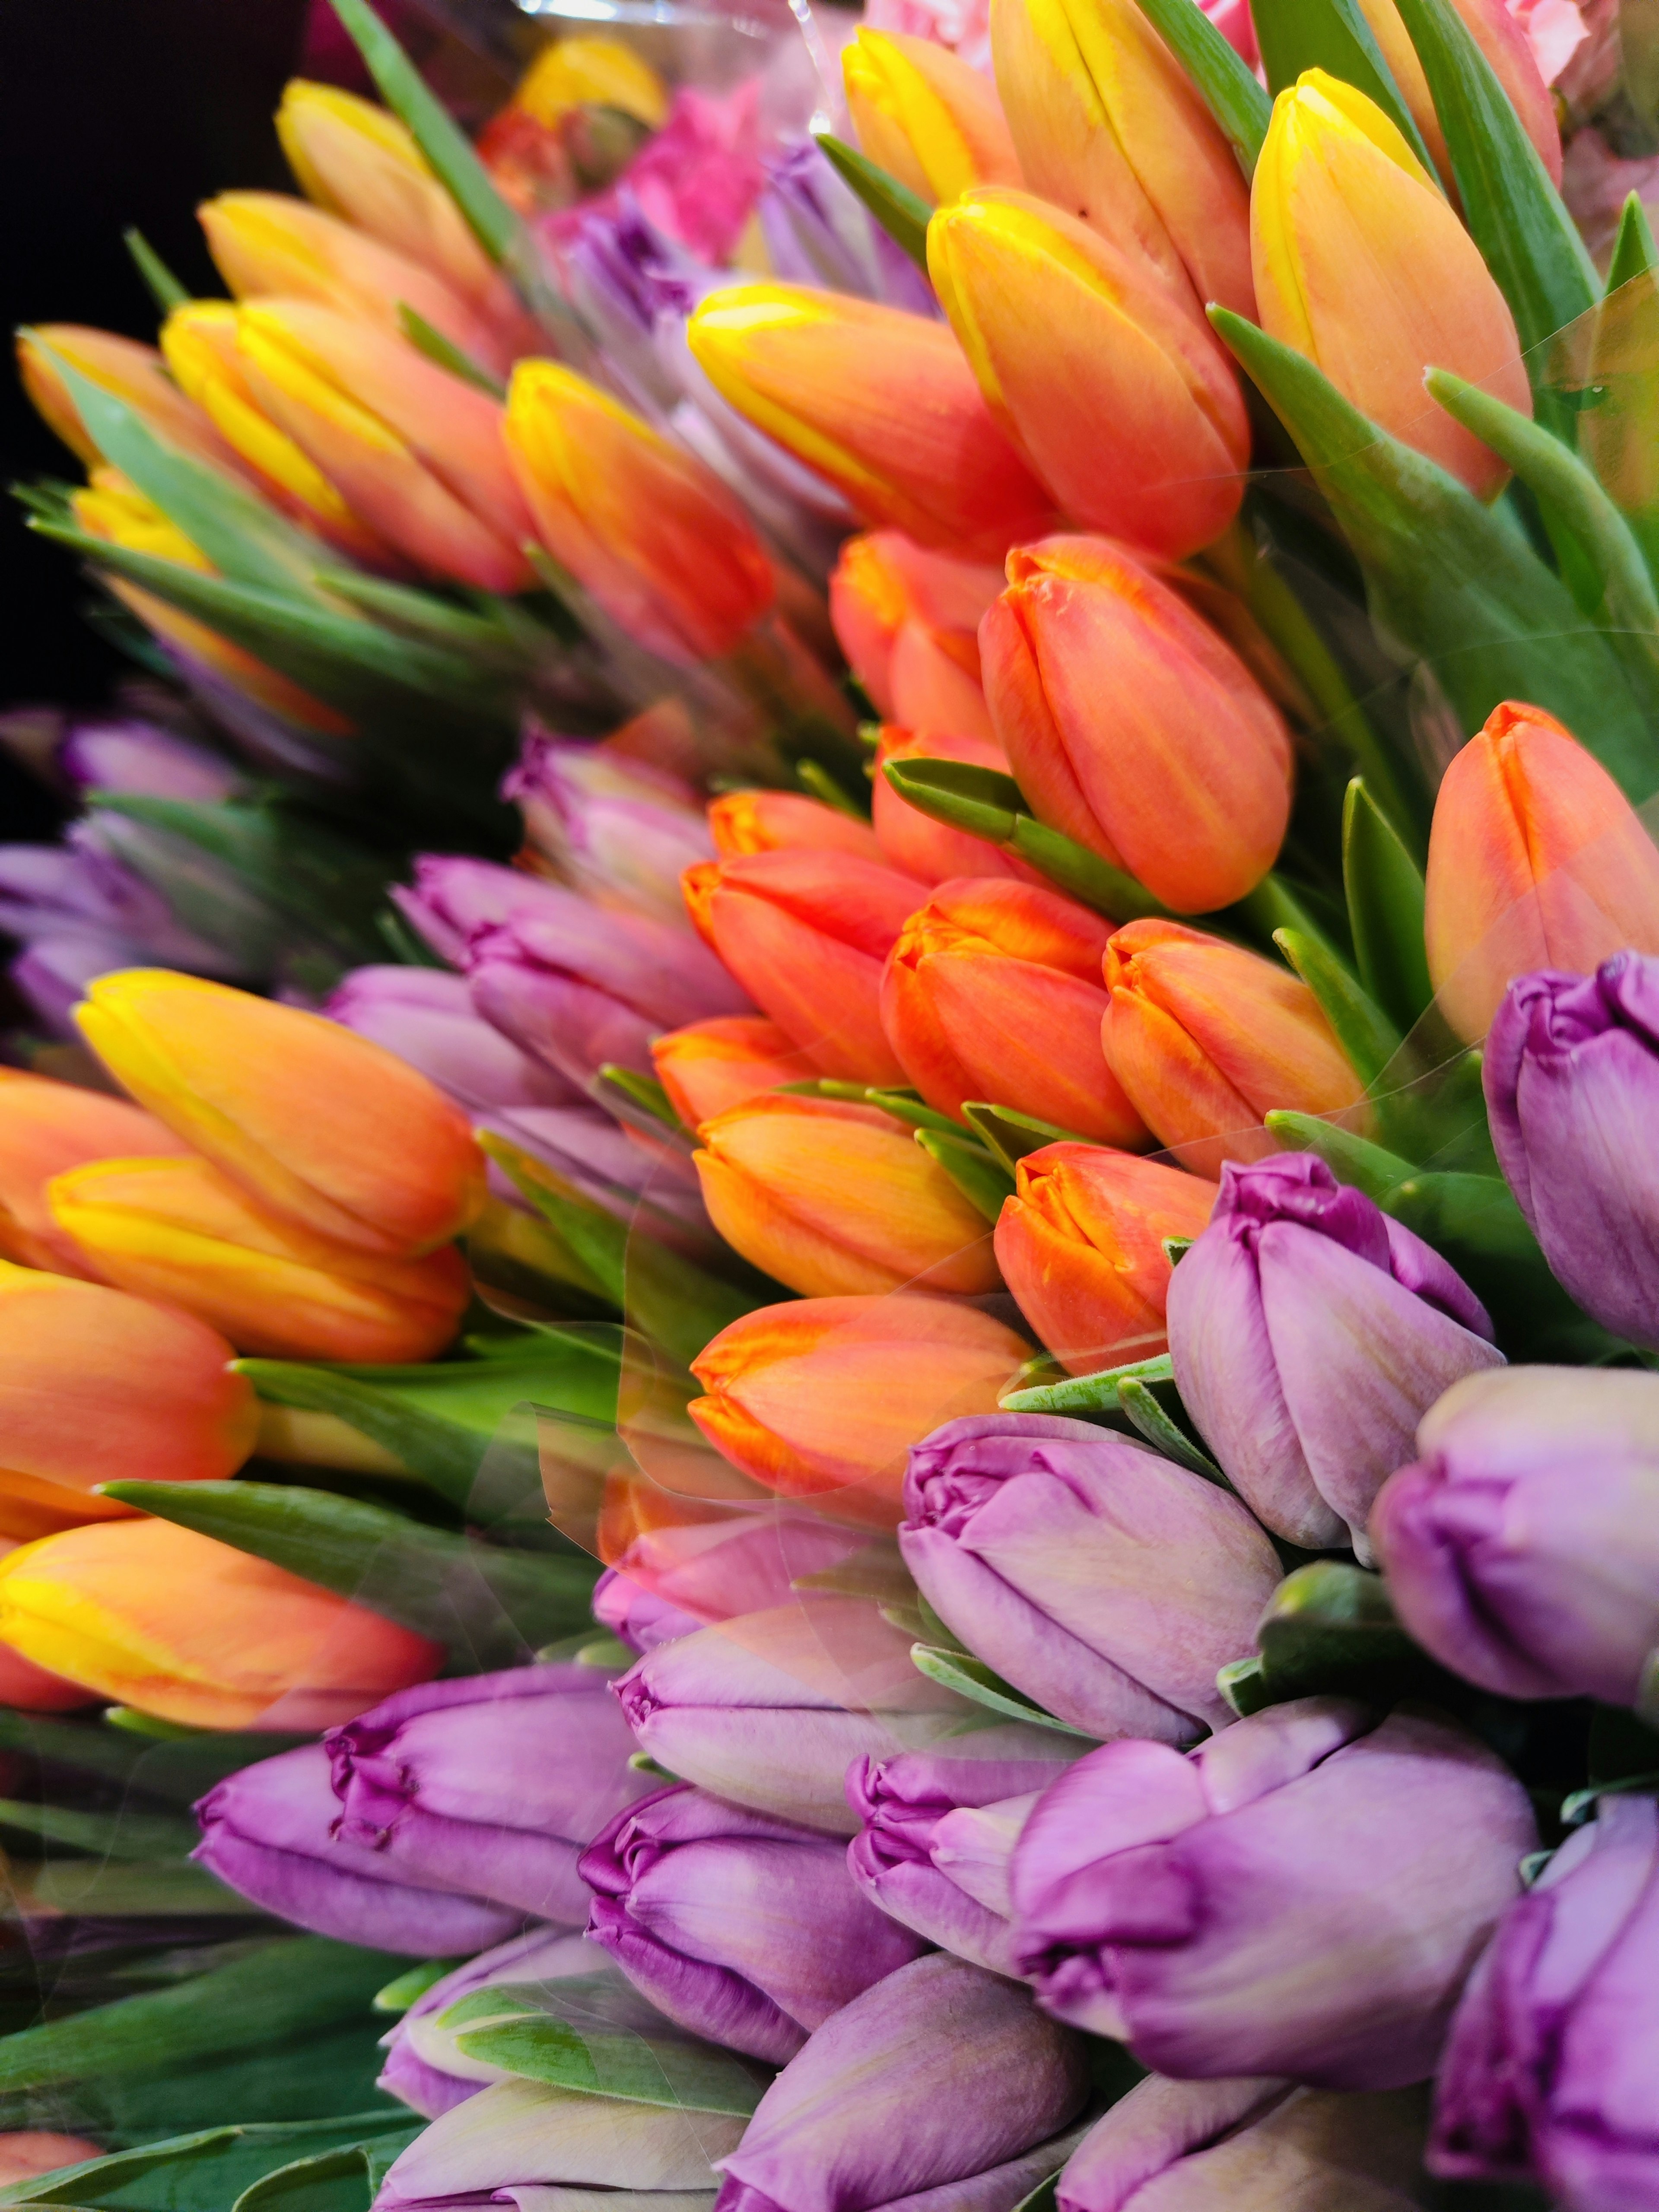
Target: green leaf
816	780
207	2170
1089	1394
159	281
643	1091
983	1180
1136	1397
910	1108
1330	1630
1332	35
405	1989
447	355
127	1833
1224	81
1384	890
121	1888
639	2070
903	214
971	1678
430	620
1011	1135
330	2181
490	1606
1351	1159
178	1771
1368	1038
1618	402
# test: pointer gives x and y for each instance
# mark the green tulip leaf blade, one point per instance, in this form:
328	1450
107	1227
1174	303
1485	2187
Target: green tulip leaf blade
1011	1135
1089	1394
977	1174
903	214
163	287
446	354
1351	1159
1368	1038
1383	887
1329	1631
636	2069
1332	35
971	1678
1166	1437
1224	81
212	2168
1618	397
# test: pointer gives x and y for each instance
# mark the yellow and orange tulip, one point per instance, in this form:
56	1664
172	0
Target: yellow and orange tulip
929	119
907	621
47	1128
587	71
131	372
742	822
1500	38
710	1066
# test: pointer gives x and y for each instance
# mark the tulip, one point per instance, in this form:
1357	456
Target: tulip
940	2081
617	831
27	2152
1097	367
709	1067
647	529
178	1231
1503	40
939	1828
925	115
636	1617
1310	1334
177	1625
880	402
908	621
746	1562
805	934
1206	1038
1536	859
822	1398
134	373
125	753
492	1785
578	72
993	992
838	1200
96	1386
426	1018
1186	782
769	1709
1105	1583
742	1929
267	1833
46	1127
1547	2075
1080	1244
1245	1908
816	234
455	899
1108	125
1361	264
745	821
1254	2145
30	1689
909	840
90	885
1521	1547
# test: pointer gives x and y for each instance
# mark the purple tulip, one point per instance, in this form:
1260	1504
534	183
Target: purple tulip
426	1016
1548	2070
1522	1548
940	1829
127	755
50	976
453	898
647	1183
1310	1334
493	1785
1104	1582
1571	1077
1302	1895
1251	2145
79	888
818	233
268	1833
742	1929
940	2087
639	1617
621	832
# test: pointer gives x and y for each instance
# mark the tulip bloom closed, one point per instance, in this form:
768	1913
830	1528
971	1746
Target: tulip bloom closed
1361	264
822	1398
391	1168
742	822
933	851
648	530
836	1201
993	992
1206	1038
46	1127
881	402
170	1622
707	1066
1131	728
1240	1910
132	372
925	116
1503	40
619	832
1080	1244
907	621
1536	859
1102	371
710	1570
426	1016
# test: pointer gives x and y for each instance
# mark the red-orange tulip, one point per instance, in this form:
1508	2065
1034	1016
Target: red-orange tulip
910	840
742	822
907	621
709	1066
46	1127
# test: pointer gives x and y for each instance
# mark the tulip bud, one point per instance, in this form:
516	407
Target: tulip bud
1503	40
1536	859
709	1067
805	934
1361	264
1310	1334
639	1618
648	530
96	1386
596	71
993	992
159	1617
745	821
925	116
907	621
942	2081
1206	1038
27	2152
836	1201
124	753
614	829
1104	1582
931	851
426	1016
747	1561
822	1398
1238	1910
1186	784
1080	1244
391	1167
1100	370
881	402
1108	125
132	372
46	1127
30	1689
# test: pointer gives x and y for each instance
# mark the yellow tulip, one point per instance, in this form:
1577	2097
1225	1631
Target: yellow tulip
931	120
582	72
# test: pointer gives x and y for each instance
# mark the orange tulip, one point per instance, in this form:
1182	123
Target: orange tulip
839	1201
913	841
1361	264
1500	38
805	934
822	1398
30	1689
907	621
929	119
881	402
650	531
178	1230
994	992
742	822
95	1385
46	1127
1206	1038
173	1624
1123	399
709	1066
1080	1244
1132	727
1536	859
315	1122
132	372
